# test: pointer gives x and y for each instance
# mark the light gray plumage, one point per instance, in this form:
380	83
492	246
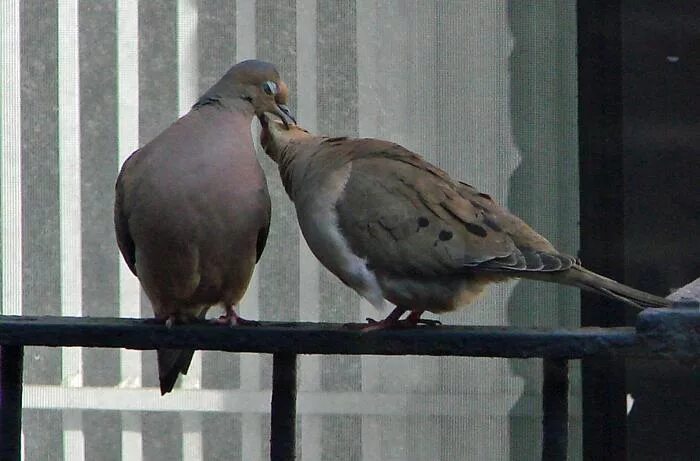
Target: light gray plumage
392	226
192	210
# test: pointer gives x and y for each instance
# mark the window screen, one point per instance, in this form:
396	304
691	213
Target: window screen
484	89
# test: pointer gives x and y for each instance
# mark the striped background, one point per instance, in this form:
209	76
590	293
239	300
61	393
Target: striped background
486	89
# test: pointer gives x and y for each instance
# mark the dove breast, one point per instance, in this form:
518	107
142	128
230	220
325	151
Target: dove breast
318	219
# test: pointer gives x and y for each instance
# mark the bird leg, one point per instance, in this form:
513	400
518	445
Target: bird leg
393	320
231	318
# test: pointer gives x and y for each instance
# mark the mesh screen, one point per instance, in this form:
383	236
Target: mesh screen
485	89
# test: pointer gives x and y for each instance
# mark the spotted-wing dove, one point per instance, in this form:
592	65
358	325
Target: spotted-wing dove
192	210
392	226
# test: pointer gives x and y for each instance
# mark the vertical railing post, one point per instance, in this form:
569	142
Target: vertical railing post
11	358
284	407
555	409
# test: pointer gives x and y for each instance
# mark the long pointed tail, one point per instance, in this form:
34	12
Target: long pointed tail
587	280
172	362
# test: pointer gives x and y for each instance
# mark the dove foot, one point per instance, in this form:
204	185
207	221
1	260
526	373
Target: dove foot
172	320
231	318
168	322
393	321
373	325
415	319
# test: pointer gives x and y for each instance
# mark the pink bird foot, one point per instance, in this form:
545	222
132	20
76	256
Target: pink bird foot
393	321
232	319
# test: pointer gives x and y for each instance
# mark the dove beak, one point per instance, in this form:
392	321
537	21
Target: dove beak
285	114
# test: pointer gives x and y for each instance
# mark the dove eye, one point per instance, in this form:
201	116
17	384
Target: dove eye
270	88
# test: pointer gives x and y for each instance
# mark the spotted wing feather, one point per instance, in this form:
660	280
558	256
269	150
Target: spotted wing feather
406	216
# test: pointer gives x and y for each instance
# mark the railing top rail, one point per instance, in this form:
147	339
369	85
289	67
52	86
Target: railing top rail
658	332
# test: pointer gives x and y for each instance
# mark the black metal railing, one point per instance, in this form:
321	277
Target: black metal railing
668	333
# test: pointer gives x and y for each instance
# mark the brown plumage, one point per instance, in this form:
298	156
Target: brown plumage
393	226
192	210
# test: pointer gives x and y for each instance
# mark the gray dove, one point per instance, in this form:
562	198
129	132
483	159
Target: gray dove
392	226
192	210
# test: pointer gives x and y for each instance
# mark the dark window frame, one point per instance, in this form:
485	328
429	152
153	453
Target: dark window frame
600	134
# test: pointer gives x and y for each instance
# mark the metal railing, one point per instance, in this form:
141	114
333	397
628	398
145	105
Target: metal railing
666	333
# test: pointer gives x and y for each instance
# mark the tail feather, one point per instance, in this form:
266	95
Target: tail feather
172	363
588	280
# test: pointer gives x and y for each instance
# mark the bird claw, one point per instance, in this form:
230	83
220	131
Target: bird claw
429	322
234	320
364	326
246	323
386	324
394	322
391	324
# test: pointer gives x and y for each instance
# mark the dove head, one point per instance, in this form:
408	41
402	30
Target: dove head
257	83
276	138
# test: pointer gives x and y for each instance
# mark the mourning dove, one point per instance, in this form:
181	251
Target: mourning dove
192	210
392	226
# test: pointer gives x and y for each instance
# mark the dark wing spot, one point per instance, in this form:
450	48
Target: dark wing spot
423	221
492	224
486	196
475	229
445	235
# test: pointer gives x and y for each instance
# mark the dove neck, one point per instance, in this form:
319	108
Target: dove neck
292	159
226	96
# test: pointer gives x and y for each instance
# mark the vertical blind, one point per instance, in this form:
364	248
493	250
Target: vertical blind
485	89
